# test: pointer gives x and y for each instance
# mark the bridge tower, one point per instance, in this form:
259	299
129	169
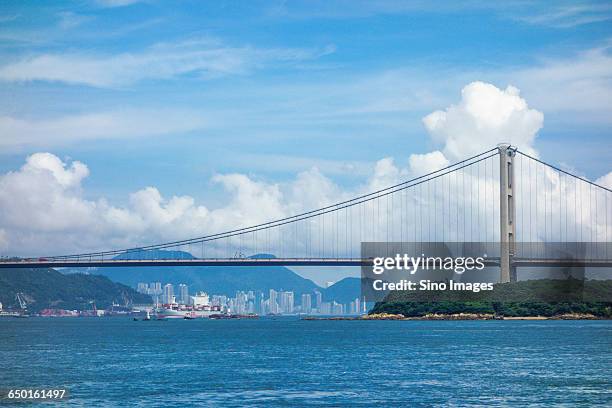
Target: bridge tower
507	211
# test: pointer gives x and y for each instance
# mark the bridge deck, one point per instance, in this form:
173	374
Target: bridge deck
185	262
86	263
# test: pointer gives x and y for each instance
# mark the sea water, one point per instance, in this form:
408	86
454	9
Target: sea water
287	361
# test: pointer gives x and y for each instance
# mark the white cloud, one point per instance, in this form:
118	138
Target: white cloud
69	20
204	58
46	193
43	209
16	132
385	174
420	164
581	83
570	15
485	116
605	181
573	91
67	177
251	201
312	189
117	3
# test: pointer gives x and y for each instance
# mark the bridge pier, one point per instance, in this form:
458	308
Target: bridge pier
507	211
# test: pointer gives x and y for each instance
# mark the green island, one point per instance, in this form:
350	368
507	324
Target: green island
545	298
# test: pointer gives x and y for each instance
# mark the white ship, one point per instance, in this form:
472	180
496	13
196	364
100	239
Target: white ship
198	307
174	311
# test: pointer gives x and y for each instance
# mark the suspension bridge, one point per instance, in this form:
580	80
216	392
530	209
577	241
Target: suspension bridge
502	196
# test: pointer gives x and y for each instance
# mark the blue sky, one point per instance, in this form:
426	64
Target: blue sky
171	94
297	99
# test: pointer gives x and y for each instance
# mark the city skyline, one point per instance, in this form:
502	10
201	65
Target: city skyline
254	302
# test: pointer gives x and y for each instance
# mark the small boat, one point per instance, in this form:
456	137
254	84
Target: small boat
144	319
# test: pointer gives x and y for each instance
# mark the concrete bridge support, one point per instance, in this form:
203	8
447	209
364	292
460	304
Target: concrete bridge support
507	211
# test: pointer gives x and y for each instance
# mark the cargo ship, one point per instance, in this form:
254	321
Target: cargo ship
198	307
176	311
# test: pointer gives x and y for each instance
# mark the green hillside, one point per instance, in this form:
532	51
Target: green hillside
47	288
543	297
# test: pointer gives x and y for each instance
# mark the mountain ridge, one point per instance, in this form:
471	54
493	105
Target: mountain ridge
223	279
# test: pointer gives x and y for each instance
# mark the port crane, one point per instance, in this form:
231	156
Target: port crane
20	298
95	310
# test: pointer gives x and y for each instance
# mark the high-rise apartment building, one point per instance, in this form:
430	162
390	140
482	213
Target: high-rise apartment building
319	300
273	305
306	303
155	288
287	302
168	294
183	294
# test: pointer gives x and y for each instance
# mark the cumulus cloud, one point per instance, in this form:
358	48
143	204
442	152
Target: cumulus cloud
43	209
45	193
251	202
385	174
312	189
420	164
67	177
605	181
485	116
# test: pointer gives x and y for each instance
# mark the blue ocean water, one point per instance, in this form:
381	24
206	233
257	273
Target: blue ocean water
286	361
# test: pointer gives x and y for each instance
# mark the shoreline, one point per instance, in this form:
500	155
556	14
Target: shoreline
461	316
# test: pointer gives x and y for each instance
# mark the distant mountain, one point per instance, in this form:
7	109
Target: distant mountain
47	288
343	291
224	279
212	279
